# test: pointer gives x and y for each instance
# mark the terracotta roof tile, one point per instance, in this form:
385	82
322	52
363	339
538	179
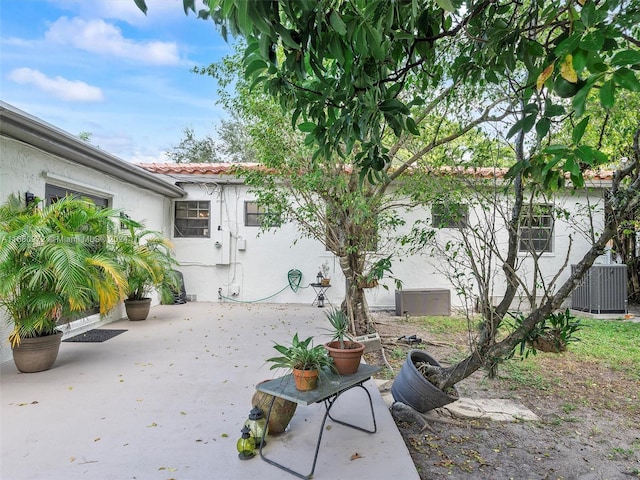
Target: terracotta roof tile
229	168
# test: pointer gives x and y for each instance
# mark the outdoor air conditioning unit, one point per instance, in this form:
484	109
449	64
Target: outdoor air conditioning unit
417	301
602	290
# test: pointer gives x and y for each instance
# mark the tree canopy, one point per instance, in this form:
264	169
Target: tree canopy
351	71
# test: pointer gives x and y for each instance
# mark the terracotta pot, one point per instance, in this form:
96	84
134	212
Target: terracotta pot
37	354
412	388
347	360
305	379
281	413
549	344
137	309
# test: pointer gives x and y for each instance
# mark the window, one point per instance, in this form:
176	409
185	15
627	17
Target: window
257	216
192	219
53	193
536	229
451	215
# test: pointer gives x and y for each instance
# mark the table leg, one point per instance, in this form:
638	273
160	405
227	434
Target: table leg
373	415
328	403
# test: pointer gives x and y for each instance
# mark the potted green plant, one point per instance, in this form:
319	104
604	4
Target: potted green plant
556	332
148	262
305	360
323	274
54	261
345	352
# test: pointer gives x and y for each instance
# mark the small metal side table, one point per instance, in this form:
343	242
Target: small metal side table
330	387
321	294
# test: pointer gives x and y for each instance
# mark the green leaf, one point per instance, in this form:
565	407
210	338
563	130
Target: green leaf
561	149
412	127
286	37
578	130
542	127
446	5
553	110
587	14
394	105
307	126
627	79
337	23
516	128
189	5
607	98
580	99
529	122
141	5
592	41
254	66
626	57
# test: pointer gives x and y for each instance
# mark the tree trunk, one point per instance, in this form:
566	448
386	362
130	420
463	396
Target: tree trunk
623	202
355	302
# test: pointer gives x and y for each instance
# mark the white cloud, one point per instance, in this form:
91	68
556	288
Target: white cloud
98	36
125	10
57	86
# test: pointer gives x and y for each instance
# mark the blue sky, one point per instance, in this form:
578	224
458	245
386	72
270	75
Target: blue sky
102	66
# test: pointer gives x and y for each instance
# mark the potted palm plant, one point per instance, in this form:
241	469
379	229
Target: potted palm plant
54	261
345	352
148	262
305	360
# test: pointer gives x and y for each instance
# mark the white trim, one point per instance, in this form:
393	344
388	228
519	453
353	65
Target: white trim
66	182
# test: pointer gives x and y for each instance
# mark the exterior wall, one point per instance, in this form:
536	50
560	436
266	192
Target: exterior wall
24	168
247	265
570	242
259	271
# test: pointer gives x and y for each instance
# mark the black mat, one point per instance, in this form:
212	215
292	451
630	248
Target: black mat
97	335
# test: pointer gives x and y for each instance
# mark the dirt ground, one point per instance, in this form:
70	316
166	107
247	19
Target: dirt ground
589	424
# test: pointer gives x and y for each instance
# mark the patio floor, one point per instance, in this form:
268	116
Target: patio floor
167	399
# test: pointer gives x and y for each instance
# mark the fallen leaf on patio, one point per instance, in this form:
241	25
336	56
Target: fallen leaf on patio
72	459
224	435
183	413
70	388
35	402
154	424
171	469
355	456
96	439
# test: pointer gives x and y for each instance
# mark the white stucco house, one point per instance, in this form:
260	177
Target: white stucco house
213	220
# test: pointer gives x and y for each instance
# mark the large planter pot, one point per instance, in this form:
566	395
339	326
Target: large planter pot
305	379
281	412
137	309
412	388
346	360
37	354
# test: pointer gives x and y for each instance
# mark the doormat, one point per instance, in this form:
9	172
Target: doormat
97	335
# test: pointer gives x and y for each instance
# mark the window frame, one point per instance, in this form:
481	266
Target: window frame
543	222
188	222
441	215
260	215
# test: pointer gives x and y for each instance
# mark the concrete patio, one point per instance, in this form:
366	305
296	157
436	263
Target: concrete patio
167	399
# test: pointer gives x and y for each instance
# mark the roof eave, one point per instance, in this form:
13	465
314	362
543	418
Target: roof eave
21	126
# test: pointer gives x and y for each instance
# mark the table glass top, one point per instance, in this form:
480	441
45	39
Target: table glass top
329	384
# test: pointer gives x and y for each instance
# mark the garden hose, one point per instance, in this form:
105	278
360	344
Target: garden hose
294	277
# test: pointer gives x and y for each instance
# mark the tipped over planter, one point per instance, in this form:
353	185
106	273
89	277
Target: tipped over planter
412	388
